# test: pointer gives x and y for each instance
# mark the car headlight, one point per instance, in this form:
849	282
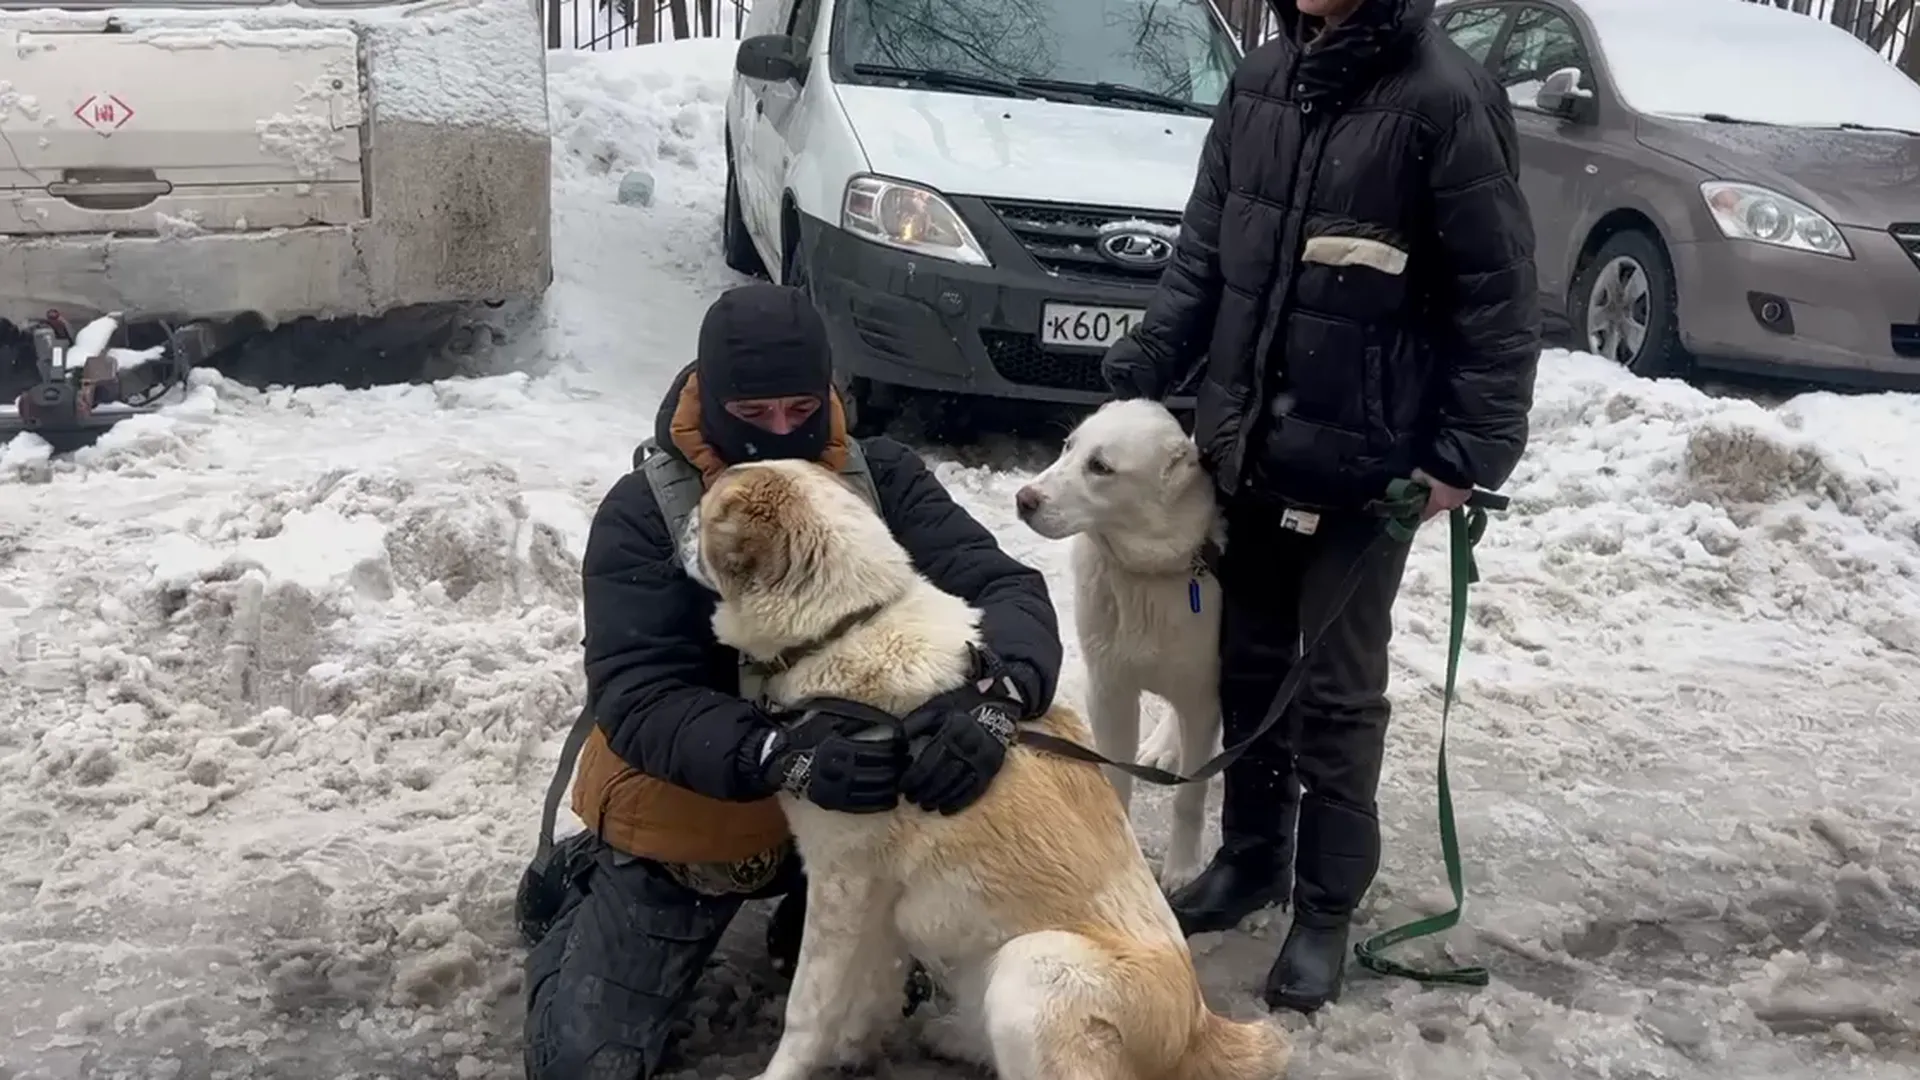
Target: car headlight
910	218
1746	212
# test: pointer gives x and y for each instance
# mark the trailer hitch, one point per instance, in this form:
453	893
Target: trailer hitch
87	383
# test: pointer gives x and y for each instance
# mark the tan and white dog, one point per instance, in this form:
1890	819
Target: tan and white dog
1129	489
1033	908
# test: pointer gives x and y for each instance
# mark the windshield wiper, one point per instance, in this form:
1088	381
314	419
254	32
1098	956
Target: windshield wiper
1845	125
1106	91
941	79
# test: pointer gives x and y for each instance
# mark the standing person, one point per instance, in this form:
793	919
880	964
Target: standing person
1354	277
677	780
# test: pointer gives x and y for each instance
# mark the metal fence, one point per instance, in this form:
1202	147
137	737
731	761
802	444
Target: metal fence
620	24
1887	25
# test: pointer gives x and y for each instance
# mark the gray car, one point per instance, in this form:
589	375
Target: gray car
1715	183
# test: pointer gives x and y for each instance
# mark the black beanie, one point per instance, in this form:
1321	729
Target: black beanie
763	341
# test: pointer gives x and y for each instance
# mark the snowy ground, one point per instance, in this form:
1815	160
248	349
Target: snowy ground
287	672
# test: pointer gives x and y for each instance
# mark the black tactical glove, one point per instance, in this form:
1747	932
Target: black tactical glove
969	730
836	762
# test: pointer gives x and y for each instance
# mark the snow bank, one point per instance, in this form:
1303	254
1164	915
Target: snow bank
1793	524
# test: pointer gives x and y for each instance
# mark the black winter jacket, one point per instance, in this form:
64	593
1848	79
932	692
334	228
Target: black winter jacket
665	693
1355	269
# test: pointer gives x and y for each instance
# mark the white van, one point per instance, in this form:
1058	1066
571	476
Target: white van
979	194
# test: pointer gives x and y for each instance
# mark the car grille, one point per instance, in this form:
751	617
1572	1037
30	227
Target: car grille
1020	358
1909	237
1061	237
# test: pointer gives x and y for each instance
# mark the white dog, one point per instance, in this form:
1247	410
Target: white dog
1033	907
1129	489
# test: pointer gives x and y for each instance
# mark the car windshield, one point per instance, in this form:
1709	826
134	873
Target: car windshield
1750	62
1170	48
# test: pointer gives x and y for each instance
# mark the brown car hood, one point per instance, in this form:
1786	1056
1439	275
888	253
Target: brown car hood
1865	178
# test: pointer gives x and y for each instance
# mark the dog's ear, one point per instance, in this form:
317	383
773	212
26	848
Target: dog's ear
743	540
1181	456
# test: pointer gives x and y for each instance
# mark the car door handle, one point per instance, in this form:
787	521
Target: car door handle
73	189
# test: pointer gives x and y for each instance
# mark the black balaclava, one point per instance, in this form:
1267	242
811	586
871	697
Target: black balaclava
763	341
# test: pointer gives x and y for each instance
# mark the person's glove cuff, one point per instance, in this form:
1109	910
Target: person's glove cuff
752	761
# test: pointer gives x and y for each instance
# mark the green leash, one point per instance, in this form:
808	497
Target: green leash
1404	503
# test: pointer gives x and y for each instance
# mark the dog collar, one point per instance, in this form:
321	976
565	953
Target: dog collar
785	659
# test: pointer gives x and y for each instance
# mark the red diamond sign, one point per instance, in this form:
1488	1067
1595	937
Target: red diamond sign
104	113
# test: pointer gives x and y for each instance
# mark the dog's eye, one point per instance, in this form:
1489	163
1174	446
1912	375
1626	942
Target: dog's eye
1098	466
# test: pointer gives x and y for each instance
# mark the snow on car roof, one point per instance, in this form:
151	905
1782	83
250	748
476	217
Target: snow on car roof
1747	60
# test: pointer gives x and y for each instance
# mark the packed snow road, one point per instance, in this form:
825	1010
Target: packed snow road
286	672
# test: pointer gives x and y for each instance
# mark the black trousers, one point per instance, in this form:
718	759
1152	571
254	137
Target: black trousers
1319	769
617	968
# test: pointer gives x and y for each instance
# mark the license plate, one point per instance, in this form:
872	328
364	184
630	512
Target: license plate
1075	325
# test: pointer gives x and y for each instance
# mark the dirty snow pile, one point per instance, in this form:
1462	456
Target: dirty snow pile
286	672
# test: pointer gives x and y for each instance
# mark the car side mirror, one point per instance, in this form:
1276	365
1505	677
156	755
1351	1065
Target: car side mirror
771	58
1562	94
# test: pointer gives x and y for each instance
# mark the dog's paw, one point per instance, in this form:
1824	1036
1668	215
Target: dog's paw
1178	874
1161	748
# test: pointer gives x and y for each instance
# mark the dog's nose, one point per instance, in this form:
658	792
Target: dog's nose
1026	500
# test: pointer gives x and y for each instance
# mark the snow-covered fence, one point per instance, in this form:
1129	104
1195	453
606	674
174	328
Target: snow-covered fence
619	24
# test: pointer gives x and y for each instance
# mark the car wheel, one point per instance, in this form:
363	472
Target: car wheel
736	246
1625	306
793	268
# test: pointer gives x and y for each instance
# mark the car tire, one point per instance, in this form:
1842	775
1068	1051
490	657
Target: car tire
735	245
1624	305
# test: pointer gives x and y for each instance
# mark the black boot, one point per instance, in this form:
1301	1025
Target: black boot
1254	867
1230	889
1312	964
783	930
1339	854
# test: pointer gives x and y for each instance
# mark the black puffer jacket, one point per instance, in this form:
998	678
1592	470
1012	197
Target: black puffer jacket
1355	268
665	693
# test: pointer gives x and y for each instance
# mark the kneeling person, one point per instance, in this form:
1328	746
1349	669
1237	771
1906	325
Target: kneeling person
677	778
